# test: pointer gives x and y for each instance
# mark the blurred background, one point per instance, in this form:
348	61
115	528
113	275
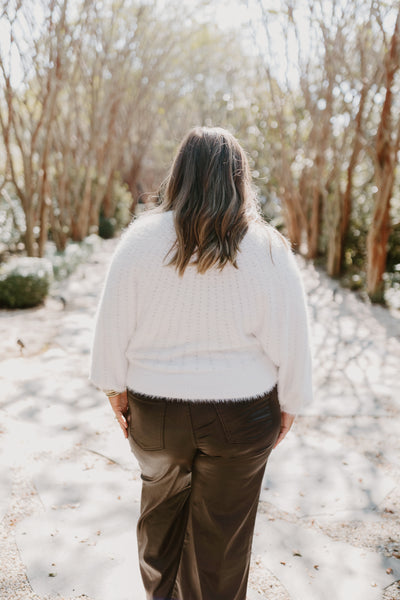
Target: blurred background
95	95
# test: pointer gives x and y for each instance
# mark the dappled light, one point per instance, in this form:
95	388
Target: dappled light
329	496
94	98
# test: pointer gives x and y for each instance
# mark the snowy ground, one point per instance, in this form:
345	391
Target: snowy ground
329	518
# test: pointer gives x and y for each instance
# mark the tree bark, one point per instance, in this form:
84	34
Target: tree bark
293	220
337	236
29	237
386	154
378	235
80	224
314	223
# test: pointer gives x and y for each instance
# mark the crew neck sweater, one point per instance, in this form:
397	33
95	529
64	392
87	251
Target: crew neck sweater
226	334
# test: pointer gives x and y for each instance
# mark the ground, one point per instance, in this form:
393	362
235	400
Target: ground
328	525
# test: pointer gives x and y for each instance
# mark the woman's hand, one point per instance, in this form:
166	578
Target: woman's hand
119	404
286	423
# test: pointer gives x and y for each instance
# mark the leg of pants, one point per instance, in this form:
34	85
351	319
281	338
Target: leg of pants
202	470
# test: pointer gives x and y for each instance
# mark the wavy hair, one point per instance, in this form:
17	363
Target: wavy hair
210	191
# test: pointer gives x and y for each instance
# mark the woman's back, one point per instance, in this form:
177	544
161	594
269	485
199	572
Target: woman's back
218	334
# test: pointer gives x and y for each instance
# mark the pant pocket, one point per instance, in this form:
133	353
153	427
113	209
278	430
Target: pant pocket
250	421
146	421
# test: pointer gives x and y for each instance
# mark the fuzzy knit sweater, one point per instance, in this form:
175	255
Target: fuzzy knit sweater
225	334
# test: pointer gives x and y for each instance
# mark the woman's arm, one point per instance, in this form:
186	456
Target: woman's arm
115	322
293	339
286	422
119	404
285	332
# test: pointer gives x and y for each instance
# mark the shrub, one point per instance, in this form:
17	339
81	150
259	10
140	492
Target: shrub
24	282
393	257
107	227
123	201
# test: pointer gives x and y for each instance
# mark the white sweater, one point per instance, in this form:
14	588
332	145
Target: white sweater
229	334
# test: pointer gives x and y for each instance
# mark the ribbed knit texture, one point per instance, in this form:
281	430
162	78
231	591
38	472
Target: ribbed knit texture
225	334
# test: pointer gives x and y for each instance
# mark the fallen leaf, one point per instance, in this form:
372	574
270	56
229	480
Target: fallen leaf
283	562
296	553
316	567
389	571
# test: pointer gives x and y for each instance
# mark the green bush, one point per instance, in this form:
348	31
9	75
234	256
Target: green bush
393	257
24	282
107	227
120	214
123	202
353	282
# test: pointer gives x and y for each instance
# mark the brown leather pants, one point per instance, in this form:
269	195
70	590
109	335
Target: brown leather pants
202	467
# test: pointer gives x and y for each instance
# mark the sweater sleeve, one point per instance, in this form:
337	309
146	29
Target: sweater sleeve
114	322
286	332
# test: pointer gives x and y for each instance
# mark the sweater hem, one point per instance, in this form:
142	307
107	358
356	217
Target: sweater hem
156	397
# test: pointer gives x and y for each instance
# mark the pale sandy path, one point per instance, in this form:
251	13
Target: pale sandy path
329	518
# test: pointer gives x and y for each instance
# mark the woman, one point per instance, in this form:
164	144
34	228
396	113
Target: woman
201	345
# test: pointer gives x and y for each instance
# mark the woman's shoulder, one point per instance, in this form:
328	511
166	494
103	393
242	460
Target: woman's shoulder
150	225
144	236
263	235
150	221
267	249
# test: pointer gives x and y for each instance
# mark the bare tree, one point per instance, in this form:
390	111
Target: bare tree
387	145
361	72
28	109
343	203
303	106
95	82
325	119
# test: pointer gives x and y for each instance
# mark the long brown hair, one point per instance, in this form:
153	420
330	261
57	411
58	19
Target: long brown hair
210	191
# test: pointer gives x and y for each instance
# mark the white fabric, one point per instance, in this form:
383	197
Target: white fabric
225	334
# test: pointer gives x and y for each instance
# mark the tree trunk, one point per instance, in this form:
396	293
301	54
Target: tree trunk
80	225
334	255
293	220
378	235
313	225
107	203
385	164
132	176
29	237
337	235
44	213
